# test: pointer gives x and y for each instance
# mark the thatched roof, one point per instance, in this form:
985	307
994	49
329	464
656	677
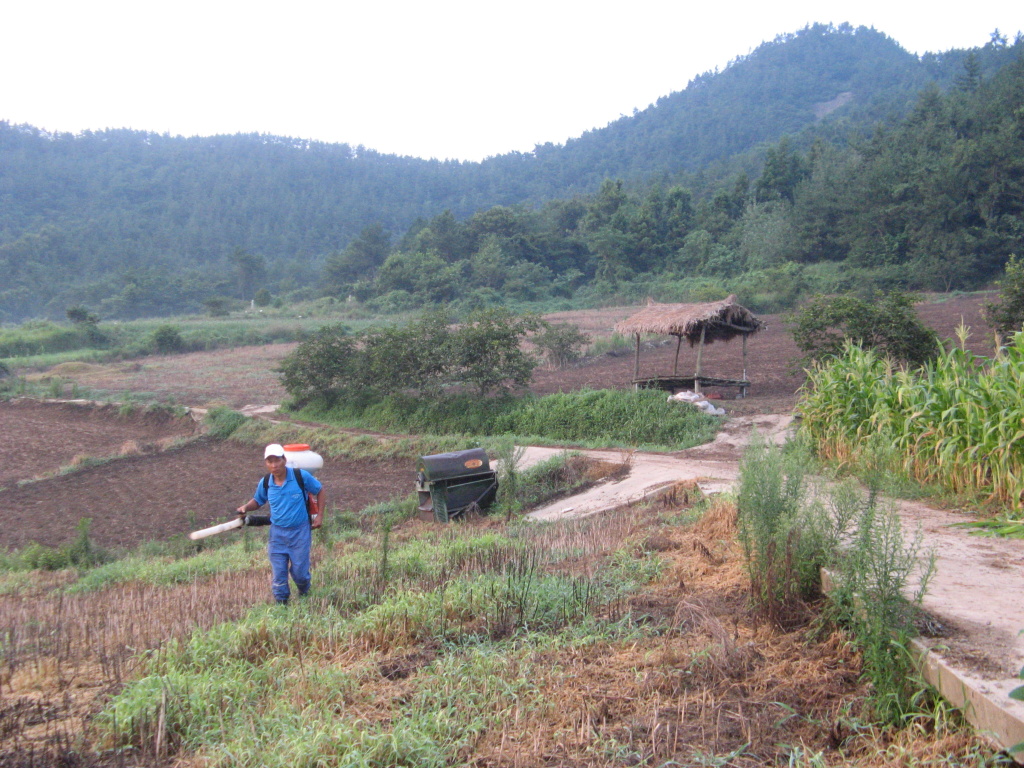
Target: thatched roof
722	320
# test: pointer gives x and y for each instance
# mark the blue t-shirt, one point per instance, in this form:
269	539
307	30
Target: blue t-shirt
287	507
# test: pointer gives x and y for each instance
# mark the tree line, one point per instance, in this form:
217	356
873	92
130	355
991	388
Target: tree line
740	173
932	202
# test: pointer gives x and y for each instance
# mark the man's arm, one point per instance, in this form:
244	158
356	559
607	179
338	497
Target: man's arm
318	518
250	506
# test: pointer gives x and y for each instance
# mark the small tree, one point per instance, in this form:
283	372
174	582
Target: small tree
415	356
87	322
561	345
888	324
79	315
423	355
1006	314
322	366
487	352
262	298
217	306
167	339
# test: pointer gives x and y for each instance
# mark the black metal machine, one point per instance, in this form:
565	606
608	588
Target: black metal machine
450	483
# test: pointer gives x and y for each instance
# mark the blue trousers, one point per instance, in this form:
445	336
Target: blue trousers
288	549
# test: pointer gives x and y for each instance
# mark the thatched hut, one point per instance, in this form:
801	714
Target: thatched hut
699	324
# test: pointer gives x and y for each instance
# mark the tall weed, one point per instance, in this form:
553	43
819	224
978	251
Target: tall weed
788	535
784	536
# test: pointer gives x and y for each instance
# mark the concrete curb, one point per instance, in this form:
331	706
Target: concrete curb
985	704
996	716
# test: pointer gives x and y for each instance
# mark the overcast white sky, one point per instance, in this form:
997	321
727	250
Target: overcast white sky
450	78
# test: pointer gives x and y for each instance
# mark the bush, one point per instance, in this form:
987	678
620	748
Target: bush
422	356
79	553
218	306
222	422
1006	315
166	339
561	345
322	366
416	356
888	324
487	353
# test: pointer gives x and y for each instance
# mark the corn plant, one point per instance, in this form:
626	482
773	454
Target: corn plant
958	422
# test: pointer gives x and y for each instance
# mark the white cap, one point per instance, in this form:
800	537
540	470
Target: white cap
273	449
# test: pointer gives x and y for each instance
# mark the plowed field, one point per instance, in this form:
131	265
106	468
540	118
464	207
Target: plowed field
155	490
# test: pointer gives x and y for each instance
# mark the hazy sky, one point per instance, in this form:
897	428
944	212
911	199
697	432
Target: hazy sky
449	78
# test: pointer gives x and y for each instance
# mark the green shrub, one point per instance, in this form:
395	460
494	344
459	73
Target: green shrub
218	306
222	422
487	350
421	356
321	367
561	345
166	339
79	553
888	324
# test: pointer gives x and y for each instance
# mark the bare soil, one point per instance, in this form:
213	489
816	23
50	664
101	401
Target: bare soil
771	354
41	438
154	495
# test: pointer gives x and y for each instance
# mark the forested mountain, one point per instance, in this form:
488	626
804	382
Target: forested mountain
131	223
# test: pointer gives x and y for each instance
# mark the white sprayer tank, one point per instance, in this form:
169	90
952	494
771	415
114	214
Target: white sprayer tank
298	456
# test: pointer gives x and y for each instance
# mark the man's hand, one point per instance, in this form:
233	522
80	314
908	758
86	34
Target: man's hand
317	520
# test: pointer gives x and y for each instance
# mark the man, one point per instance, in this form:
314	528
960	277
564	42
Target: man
290	523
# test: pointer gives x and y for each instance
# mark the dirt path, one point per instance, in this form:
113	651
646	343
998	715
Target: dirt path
974	597
713	467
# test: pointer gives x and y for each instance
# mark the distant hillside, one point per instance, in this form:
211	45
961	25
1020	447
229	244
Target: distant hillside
85	216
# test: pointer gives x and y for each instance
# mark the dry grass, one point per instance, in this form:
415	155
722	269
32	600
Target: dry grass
130	448
64	655
703	682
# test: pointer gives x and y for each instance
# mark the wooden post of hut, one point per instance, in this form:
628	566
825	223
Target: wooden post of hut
636	358
743	390
700	354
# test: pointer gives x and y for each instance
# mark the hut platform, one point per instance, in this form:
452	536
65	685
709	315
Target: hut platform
692	383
